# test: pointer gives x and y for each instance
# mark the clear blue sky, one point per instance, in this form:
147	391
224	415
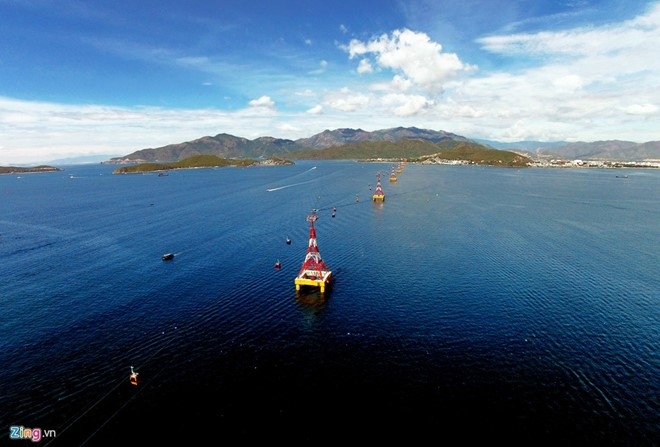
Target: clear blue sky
112	77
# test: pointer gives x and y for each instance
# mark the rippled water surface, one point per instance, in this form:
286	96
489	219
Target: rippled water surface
515	305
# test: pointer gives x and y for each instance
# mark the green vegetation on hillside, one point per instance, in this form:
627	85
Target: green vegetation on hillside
197	161
416	150
370	150
479	155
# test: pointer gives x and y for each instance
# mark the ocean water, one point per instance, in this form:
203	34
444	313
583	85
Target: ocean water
507	305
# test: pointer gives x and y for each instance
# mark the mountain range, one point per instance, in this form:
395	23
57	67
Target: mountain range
230	146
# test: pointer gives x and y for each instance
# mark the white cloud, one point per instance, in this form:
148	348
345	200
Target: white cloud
262	102
569	82
642	109
305	93
609	40
288	128
399	83
316	110
347	100
406	105
34	132
411	55
364	67
581	82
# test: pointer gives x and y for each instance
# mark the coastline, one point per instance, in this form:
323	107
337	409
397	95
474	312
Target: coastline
553	163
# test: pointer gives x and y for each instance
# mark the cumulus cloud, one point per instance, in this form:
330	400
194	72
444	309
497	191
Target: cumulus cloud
365	67
263	102
406	105
411	55
401	83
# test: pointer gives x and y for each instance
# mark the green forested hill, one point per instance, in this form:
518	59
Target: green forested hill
369	150
416	150
481	155
198	161
18	170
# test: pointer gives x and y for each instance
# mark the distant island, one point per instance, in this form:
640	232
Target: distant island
26	170
199	161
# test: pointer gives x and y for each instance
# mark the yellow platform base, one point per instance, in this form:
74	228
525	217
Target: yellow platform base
320	282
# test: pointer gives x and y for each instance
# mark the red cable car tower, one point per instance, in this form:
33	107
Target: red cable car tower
393	175
313	271
379	195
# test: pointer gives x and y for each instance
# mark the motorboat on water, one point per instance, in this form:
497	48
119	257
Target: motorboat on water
168	256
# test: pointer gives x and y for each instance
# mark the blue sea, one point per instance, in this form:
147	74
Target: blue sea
475	304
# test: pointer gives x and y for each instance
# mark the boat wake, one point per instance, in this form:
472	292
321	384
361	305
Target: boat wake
293	184
288	186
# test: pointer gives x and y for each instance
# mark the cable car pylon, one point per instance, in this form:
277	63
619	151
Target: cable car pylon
379	195
313	272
